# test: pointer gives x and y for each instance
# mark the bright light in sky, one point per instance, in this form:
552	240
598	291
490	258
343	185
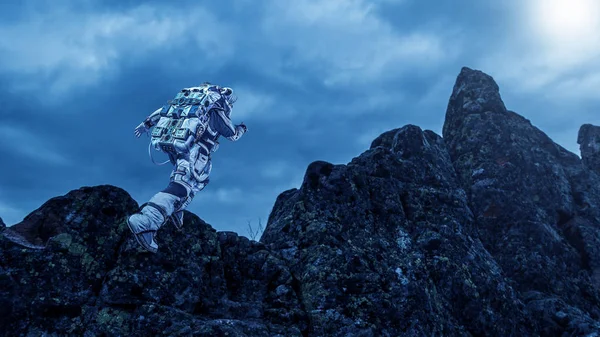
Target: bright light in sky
571	22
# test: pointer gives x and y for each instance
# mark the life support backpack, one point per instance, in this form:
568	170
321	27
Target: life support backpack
183	120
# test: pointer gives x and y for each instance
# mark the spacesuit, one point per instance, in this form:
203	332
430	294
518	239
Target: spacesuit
191	167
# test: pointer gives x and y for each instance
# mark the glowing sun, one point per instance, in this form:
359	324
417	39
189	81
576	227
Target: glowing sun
566	20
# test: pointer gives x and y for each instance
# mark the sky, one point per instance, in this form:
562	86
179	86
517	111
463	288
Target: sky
315	80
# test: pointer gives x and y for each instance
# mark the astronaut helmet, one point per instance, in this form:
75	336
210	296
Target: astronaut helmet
227	93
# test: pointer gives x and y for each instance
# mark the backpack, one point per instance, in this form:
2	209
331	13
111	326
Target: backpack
183	120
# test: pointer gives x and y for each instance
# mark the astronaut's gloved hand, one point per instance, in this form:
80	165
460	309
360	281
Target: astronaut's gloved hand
244	126
140	129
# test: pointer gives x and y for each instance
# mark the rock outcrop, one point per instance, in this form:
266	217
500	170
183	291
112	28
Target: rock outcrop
534	203
72	268
381	246
492	230
589	145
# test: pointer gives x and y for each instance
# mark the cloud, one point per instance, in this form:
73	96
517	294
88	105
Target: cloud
345	42
367	137
544	53
274	170
536	70
67	47
27	144
287	42
10	214
315	80
229	195
582	87
222	195
253	104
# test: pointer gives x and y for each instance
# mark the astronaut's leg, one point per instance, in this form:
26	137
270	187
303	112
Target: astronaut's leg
184	198
192	184
151	217
155	213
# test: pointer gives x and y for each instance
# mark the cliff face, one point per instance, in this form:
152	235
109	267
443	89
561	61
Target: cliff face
492	230
535	204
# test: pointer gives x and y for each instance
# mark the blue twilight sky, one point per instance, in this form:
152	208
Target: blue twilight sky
316	80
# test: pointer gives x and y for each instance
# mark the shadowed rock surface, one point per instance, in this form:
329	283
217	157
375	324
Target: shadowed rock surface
493	230
381	246
589	144
534	203
72	267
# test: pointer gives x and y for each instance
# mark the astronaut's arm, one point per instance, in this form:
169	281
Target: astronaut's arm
149	122
153	118
239	131
225	126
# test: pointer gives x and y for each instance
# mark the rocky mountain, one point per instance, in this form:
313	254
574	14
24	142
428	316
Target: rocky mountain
492	230
589	143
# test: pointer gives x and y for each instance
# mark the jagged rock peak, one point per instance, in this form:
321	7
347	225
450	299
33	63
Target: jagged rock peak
589	145
530	197
469	80
474	92
2	224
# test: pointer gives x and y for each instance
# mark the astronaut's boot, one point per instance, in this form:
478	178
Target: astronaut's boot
151	217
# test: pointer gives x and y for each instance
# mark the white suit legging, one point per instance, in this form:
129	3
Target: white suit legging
189	176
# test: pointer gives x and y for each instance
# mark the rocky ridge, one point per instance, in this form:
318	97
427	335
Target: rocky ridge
492	230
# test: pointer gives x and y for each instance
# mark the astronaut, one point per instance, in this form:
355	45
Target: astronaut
192	165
